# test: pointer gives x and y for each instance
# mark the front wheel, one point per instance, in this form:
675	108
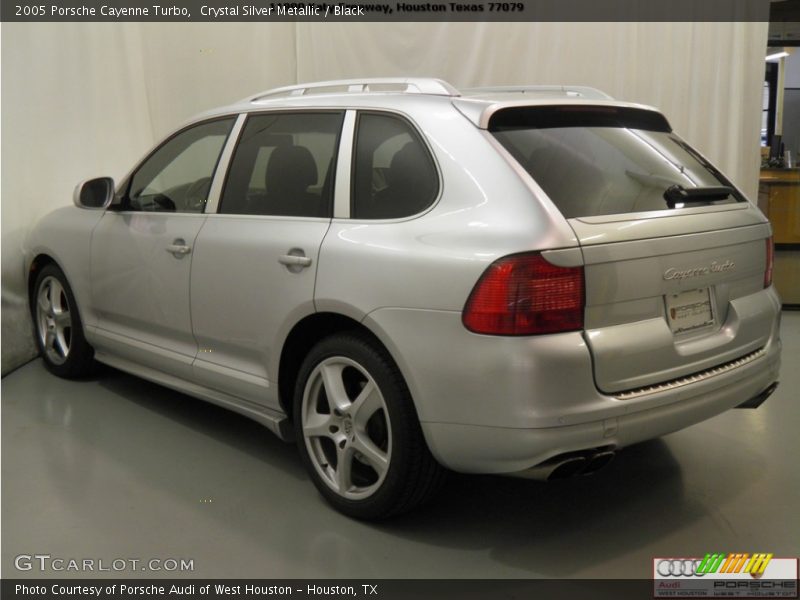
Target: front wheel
358	432
59	331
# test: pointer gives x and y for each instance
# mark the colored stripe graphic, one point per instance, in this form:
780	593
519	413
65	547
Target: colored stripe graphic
758	563
710	563
734	563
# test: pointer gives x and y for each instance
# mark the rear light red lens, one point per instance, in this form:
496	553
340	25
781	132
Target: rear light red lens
770	261
526	295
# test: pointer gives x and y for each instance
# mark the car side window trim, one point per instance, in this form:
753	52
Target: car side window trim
223	164
341	190
123	190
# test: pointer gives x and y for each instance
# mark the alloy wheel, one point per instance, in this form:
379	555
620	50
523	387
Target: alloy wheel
54	320
346	428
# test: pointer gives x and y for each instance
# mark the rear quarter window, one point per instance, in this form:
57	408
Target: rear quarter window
394	175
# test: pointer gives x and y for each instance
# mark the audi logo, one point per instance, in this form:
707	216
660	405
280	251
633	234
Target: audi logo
679	567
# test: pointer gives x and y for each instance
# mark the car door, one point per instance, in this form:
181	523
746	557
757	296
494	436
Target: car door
255	260
142	250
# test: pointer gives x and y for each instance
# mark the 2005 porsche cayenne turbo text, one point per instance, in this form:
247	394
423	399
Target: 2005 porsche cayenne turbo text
404	278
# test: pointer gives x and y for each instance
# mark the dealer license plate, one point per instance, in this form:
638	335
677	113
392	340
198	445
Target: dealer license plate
689	310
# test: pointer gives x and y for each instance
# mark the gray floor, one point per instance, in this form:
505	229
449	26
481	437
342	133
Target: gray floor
116	467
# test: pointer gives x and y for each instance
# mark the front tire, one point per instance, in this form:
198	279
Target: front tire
357	430
59	330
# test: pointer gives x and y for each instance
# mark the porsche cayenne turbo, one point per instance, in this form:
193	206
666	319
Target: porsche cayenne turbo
406	278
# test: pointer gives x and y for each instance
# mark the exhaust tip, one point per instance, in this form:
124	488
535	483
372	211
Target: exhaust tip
567	468
598	461
569	464
758	400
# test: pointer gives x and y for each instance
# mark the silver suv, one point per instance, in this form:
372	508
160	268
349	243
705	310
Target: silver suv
404	277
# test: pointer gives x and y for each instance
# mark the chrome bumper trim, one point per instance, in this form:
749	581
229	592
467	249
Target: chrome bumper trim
690	379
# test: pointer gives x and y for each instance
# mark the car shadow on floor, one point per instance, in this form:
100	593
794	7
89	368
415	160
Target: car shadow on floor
529	525
238	432
554	529
561	526
525	524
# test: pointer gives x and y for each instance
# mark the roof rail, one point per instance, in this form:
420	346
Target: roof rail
408	85
567	90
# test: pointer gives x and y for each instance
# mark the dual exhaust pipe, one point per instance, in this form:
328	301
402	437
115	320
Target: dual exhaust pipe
758	400
570	464
586	462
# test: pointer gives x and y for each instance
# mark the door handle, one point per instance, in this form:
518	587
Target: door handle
295	260
291	260
178	248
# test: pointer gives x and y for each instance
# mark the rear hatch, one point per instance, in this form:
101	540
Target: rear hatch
674	255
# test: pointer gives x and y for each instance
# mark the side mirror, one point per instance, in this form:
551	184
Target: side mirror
94	194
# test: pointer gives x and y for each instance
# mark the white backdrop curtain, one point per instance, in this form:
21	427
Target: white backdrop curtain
87	99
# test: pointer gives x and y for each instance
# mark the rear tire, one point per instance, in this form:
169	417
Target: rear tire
358	432
58	326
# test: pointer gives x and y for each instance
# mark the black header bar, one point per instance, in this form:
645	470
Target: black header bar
361	589
267	11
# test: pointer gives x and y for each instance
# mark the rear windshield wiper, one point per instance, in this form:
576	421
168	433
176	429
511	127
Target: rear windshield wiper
677	194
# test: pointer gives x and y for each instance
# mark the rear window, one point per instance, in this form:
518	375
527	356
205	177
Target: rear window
604	160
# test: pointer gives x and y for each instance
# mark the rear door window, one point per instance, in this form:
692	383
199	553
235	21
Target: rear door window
284	165
604	160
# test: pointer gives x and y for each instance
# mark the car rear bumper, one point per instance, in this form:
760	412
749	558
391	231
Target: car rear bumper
491	404
476	449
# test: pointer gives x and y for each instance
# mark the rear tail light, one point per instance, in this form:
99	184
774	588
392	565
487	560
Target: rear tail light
526	295
770	261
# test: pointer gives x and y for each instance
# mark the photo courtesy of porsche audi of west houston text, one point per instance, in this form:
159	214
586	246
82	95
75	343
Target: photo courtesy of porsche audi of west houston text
157	590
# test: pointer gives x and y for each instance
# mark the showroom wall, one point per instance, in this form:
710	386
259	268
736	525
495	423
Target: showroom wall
73	106
80	100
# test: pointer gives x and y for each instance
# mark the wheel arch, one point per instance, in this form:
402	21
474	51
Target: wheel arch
304	335
76	354
39	262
